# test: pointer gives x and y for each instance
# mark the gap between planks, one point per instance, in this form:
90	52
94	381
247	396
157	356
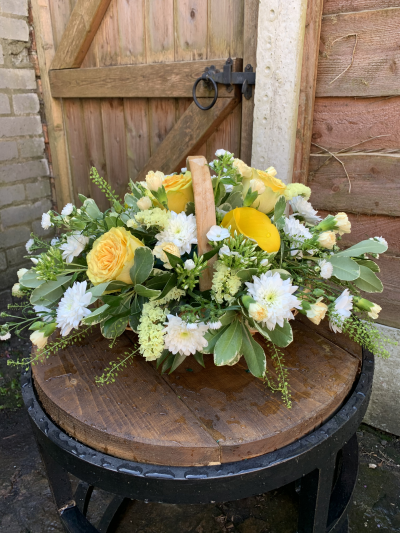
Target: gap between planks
359	12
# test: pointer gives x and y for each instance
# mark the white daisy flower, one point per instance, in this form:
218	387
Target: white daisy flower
67	210
296	231
189	264
181	230
73	307
326	269
75	245
46	221
29	245
5	337
215	325
179	338
217	233
275	296
343	307
303	208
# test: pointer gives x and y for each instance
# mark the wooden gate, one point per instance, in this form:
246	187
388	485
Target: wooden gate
120	74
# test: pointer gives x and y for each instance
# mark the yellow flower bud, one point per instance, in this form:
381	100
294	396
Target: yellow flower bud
327	239
154	180
343	223
144	203
317	312
243	169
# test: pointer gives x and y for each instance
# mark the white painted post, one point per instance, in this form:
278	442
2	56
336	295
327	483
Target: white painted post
281	27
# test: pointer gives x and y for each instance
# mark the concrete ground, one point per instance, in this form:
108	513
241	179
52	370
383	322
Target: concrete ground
26	504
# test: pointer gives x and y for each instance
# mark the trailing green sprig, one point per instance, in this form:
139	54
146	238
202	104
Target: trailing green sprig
282	384
113	369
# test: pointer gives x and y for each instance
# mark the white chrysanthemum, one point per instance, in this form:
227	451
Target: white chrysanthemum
29	245
75	245
221	152
296	231
326	269
67	210
43	313
215	325
304	209
343	307
5	337
189	264
16	291
54	241
181	230
46	221
275	295
217	233
73	307
382	240
180	339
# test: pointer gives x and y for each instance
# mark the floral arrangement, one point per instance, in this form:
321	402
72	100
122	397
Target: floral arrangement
137	266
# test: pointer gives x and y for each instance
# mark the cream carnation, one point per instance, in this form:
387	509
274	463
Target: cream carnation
76	243
374	311
343	223
327	239
73	307
342	310
38	339
181	230
159	252
317	312
326	269
275	295
303	208
154	180
179	338
144	203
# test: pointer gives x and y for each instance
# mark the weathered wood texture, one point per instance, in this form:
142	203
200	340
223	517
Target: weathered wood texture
332	7
307	91
375	184
374	71
205	416
205	212
136	81
78	35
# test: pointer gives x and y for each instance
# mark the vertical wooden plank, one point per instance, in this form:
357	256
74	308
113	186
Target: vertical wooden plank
54	116
225	28
131	31
190	30
307	91
107	41
60	12
250	31
95	145
137	134
77	147
162	120
112	111
226	136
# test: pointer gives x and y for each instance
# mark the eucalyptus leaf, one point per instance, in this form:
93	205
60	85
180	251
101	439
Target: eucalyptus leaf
253	354
98	290
280	207
212	338
130	201
246	274
142	266
235	199
344	268
369	246
30	280
227	318
97	316
147	293
369	264
368	281
49	291
280	336
91	209
228	345
199	358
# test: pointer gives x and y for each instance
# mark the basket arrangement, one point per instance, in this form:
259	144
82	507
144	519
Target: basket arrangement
195	263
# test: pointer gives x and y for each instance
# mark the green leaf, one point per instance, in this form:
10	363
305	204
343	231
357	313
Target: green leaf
246	274
228	345
190	210
368	281
235	199
344	268
50	291
143	265
97	316
227	318
91	209
173	259
30	280
111	222
369	264
369	246
284	274
280	336
162	357
171	283
134	321
211	253
130	201
280	207
158	282
114	326
212	339
199	358
253	354
178	360
98	290
168	362
117	285
147	293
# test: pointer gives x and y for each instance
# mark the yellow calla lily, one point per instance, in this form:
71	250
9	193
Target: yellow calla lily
254	225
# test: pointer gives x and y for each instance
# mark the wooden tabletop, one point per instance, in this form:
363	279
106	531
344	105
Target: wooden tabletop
195	416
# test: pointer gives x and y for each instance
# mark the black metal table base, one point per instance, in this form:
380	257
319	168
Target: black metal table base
325	463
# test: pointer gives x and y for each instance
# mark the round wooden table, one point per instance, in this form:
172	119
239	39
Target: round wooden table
200	434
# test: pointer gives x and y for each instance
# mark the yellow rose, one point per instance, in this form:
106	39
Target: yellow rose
112	256
254	225
179	191
317	312
242	168
274	188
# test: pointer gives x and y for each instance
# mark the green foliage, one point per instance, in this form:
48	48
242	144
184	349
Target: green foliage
368	336
106	189
369	246
253	354
228	345
344	268
143	265
112	370
368	281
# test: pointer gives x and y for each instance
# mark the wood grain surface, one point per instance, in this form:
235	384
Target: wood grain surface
375	70
332	7
194	416
375	184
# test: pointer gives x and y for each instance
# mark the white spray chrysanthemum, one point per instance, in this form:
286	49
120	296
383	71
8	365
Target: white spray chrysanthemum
343	307
46	221
275	296
29	245
67	210
296	232
181	230
76	243
73	307
179	338
43	313
326	269
5	337
304	209
221	152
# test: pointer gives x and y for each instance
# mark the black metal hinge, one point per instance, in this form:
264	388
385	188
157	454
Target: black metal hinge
212	76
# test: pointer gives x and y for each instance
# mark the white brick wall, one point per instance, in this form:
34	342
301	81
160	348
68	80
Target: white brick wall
24	183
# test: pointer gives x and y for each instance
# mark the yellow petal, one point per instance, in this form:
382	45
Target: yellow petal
254	225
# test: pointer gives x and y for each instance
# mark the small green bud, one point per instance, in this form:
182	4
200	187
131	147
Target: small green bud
36	326
318	292
49	329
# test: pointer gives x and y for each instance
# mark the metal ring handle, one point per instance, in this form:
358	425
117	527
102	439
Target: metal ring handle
205	108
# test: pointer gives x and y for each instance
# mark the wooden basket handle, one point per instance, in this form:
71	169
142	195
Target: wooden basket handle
205	211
